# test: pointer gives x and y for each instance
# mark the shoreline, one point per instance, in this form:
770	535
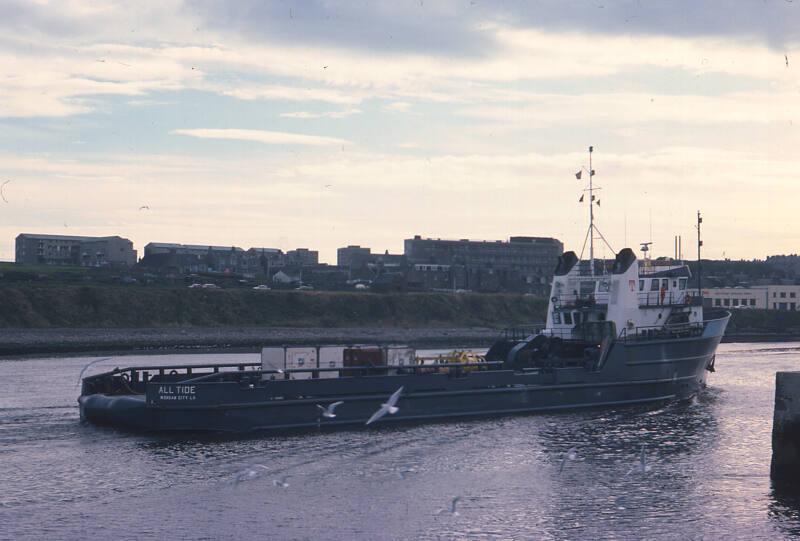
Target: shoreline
41	342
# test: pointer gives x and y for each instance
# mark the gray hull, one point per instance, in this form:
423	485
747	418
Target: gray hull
632	372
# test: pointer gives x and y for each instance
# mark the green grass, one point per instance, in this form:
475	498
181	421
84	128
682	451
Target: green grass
31	305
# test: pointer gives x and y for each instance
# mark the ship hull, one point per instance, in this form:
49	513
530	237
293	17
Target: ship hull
634	372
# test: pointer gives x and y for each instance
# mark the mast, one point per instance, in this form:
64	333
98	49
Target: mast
591	214
699	266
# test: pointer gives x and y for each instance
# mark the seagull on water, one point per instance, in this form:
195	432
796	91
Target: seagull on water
388	407
86	367
642	467
328	412
281	482
452	509
572	454
248	474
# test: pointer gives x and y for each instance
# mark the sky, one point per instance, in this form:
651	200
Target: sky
320	124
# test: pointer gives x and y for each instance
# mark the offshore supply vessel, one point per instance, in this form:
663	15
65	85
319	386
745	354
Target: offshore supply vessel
623	331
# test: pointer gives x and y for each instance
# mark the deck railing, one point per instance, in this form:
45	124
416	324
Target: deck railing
661	332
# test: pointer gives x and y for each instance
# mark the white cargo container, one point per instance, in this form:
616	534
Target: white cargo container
400	356
301	357
331	357
273	358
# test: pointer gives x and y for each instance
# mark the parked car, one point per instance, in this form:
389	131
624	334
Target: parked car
211	286
261	287
196	286
304	288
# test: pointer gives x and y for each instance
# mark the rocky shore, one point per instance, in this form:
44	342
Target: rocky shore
26	342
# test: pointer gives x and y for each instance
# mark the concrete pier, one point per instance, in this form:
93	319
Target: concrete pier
785	468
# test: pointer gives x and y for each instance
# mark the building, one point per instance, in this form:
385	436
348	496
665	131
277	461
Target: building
193	257
352	256
265	261
35	249
302	257
770	297
523	264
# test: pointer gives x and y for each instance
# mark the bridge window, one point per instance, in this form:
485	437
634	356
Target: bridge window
682	284
654	284
577	317
567	318
641	285
557	318
587	288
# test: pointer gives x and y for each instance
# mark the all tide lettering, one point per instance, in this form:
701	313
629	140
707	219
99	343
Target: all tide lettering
177	392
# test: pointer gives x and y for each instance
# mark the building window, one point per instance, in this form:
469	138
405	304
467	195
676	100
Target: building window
781	306
752	302
726	302
736	302
793	306
717	302
774	294
783	294
792	295
774	305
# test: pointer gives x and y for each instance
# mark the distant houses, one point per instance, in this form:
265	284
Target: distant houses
37	249
521	264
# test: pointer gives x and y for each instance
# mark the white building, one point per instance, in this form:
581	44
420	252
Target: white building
774	297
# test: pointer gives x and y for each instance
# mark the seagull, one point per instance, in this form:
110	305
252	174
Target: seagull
144	207
452	509
248	474
328	412
642	467
786	57
86	367
388	407
281	482
572	454
3	185
402	473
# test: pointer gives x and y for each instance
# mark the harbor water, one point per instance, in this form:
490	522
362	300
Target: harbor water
706	473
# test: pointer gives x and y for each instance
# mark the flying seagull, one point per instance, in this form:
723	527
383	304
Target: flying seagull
572	454
3	185
86	367
452	509
281	482
388	407
144	207
328	412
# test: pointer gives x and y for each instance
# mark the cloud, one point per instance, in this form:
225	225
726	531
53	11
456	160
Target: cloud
292	93
327	114
262	136
398	107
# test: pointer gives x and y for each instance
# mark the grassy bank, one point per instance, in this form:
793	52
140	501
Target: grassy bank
125	307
